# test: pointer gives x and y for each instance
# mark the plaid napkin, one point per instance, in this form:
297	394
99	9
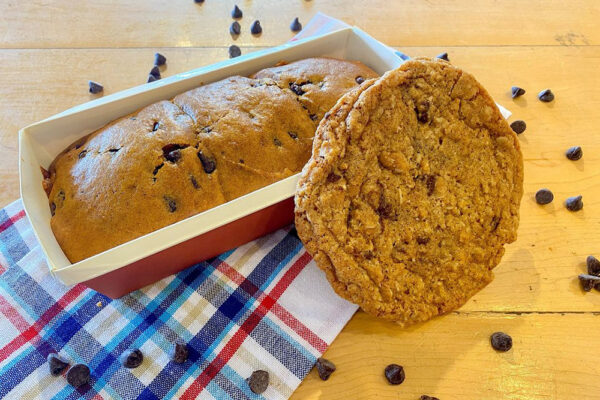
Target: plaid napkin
264	305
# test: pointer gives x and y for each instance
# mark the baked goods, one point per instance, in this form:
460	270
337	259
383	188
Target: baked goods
412	190
176	158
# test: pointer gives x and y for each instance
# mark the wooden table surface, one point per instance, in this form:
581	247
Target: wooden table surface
50	48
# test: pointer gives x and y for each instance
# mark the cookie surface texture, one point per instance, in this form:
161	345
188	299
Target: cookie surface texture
411	192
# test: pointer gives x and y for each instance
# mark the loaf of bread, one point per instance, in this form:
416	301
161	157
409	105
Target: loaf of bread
173	159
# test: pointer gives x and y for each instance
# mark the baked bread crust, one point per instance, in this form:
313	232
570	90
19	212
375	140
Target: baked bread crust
411	192
173	159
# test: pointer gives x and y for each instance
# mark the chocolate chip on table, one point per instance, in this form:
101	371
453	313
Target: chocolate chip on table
155	72
151	78
394	374
235	28
78	375
593	265
324	368
198	1
574	203
544	196
359	79
589	281
296	26
236	12
255	28
234	51
208	163
546	95
132	358
57	364
425	397
159	59
95	87
443	56
516	91
574	153
518	126
258	381
501	341
178	353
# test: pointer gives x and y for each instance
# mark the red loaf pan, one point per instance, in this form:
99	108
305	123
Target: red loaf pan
151	257
180	256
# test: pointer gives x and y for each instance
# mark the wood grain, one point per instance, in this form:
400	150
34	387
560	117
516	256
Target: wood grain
183	23
451	358
51	48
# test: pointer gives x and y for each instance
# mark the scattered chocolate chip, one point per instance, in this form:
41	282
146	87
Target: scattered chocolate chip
293	135
294	87
82	154
235	28
501	341
78	375
95	87
314	117
518	126
234	51
208	163
443	56
394	374
430	183
359	79
574	203
325	368
151	78
593	265
155	126
172	205
296	26
422	111
425	397
155	72
159	59
256	29
574	153
589	281
133	358
56	363
52	208
198	1
332	177
178	353
544	196
516	91
422	240
546	95
236	12
258	381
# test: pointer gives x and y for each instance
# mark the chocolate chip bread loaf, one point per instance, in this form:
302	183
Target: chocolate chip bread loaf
174	159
